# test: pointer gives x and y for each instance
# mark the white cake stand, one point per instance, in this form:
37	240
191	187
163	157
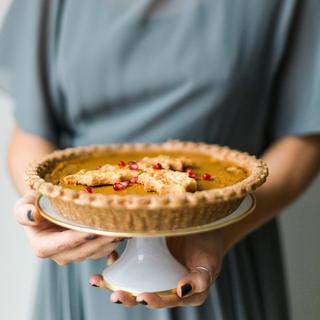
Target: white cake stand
146	264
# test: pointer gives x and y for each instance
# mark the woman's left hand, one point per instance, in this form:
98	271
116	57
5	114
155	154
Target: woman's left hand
202	250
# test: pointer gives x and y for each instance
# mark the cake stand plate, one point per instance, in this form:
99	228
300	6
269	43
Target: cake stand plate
146	264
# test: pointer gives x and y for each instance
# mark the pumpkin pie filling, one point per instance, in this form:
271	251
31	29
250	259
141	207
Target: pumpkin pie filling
151	173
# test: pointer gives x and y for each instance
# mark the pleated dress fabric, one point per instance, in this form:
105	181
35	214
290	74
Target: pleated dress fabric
237	73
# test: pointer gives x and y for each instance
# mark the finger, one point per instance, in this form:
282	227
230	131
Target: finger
196	281
112	257
49	242
96	280
123	297
154	301
99	247
26	213
103	254
196	299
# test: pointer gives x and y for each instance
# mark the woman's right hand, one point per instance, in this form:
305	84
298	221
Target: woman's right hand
61	245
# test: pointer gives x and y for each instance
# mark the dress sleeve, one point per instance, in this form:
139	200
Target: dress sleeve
23	68
297	103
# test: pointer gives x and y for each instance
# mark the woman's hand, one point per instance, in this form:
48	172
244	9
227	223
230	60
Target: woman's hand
202	250
51	241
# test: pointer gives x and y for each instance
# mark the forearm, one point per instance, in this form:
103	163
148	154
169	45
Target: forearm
293	163
23	149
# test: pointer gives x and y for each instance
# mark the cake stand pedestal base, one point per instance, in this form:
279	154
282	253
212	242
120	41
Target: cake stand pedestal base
146	265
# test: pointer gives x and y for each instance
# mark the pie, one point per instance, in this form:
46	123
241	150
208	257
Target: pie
146	187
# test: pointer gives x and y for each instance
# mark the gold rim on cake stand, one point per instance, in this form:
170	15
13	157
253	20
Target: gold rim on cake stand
108	286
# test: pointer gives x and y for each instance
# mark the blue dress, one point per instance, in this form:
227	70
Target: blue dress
237	73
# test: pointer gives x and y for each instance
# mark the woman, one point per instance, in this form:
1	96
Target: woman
238	74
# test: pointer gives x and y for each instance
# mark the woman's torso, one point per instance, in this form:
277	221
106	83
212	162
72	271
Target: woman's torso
154	70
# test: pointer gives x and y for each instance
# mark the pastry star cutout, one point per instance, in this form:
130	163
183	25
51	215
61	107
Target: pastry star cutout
169	178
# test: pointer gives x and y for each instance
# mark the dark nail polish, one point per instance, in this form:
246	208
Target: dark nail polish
118	302
143	302
185	289
93	285
30	216
91	237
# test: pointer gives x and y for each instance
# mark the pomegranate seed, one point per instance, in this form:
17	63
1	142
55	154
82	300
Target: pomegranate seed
133	165
206	176
134	179
189	170
157	166
192	175
87	190
125	183
121	164
118	186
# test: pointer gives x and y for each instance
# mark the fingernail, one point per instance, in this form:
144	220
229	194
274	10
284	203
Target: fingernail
143	302
117	302
185	289
30	216
91	237
93	285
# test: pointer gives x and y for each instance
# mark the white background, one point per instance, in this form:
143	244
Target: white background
18	267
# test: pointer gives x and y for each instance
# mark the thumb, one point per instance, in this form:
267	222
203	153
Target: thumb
196	281
26	212
200	276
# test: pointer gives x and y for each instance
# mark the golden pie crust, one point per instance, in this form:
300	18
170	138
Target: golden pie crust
140	213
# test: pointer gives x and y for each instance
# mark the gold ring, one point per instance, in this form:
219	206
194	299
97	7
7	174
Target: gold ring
201	268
